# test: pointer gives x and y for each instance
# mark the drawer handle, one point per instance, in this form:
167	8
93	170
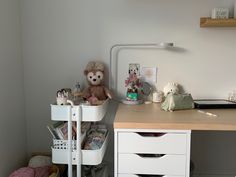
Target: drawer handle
150	175
147	134
151	155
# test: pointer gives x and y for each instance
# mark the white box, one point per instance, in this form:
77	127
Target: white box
220	13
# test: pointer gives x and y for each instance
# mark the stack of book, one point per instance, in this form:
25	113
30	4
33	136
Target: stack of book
59	130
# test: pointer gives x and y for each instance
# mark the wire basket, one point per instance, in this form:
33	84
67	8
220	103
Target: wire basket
63	144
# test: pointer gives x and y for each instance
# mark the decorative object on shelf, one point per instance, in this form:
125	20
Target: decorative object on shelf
149	74
171	87
95	137
134	68
63	95
147	90
174	100
77	93
59	130
133	84
157	96
232	96
209	22
220	13
96	93
177	102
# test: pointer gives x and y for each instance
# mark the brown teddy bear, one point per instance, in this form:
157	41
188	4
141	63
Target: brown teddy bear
96	93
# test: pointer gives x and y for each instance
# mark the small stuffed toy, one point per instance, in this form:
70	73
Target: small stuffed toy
174	100
63	95
171	88
96	93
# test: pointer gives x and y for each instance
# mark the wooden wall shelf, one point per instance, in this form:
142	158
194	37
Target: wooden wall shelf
208	22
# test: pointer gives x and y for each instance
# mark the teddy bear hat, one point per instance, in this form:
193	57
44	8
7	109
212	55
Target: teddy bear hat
94	66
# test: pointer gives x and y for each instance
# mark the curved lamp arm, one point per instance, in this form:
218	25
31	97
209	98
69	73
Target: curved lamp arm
113	60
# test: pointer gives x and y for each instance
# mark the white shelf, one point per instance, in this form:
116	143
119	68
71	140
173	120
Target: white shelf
88	113
89	157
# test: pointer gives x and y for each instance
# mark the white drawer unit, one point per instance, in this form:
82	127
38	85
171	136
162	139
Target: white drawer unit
152	153
166	164
152	143
135	175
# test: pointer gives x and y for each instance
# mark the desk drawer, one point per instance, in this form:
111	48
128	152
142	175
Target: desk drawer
157	143
136	164
134	175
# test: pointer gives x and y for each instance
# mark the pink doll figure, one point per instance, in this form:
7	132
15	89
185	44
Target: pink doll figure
133	83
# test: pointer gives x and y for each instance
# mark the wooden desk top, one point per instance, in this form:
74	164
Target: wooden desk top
151	116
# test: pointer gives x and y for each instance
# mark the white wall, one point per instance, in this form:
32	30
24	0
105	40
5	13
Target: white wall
12	126
60	37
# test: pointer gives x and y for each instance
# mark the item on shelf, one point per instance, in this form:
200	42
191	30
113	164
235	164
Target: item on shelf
171	87
220	13
134	68
96	93
59	130
95	137
63	95
133	84
157	97
53	132
147	90
149	74
177	102
232	96
77	94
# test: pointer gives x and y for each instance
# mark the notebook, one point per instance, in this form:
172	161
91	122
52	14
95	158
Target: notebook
214	104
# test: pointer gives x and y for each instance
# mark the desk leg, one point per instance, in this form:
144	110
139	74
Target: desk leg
188	154
115	153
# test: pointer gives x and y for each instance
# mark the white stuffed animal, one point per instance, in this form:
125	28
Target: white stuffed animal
171	87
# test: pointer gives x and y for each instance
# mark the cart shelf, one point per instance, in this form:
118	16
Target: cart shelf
88	113
89	157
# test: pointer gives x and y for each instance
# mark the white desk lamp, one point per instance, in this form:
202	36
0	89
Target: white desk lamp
113	60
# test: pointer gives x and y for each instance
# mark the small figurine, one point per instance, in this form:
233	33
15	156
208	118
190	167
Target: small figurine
175	100
63	95
133	85
96	93
77	93
171	87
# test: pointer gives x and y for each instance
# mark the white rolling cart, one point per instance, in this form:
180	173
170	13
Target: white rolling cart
69	151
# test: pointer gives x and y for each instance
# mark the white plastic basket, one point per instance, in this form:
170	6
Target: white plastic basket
88	113
89	157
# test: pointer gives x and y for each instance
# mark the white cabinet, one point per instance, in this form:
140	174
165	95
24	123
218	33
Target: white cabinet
157	143
152	153
69	151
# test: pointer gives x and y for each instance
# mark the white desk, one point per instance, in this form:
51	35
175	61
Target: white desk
149	141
